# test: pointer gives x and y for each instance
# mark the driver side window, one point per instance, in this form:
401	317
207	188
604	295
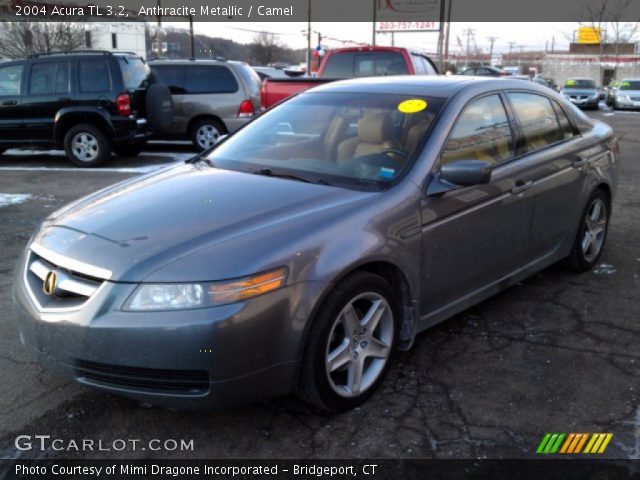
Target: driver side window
482	132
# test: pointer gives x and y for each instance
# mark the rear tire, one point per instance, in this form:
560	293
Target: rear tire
206	133
592	233
350	343
86	145
130	150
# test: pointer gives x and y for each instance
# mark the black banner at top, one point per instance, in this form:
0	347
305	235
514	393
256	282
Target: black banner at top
413	11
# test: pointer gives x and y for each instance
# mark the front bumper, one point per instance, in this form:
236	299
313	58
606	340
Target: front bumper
588	103
632	105
220	356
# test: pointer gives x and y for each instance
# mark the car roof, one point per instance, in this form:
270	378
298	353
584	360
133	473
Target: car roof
191	61
425	85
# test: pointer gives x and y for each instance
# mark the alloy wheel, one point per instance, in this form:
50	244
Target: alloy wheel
207	136
85	146
359	344
595	227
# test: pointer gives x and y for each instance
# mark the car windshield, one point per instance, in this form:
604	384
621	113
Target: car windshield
579	83
630	85
353	140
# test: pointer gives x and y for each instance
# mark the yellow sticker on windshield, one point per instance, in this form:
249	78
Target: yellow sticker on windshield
414	105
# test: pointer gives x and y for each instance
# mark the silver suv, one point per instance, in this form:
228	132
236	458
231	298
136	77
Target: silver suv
210	98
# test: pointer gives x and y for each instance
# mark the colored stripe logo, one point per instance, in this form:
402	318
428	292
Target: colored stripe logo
572	443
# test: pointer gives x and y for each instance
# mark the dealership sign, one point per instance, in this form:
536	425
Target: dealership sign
589	35
401	15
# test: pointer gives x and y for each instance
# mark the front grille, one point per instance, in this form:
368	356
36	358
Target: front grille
145	380
72	287
635	99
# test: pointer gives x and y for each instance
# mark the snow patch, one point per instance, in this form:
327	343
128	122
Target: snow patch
605	269
7	199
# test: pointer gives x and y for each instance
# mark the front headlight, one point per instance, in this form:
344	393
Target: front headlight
623	98
183	296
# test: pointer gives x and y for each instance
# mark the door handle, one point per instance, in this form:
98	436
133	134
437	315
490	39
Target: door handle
580	161
9	103
521	186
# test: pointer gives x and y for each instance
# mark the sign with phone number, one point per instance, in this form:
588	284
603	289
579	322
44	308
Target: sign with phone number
408	26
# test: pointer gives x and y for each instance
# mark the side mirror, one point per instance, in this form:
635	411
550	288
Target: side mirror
460	173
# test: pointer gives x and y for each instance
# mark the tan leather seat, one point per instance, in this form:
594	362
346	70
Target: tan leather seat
336	133
415	133
375	134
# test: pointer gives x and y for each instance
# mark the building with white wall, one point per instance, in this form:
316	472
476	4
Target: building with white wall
122	37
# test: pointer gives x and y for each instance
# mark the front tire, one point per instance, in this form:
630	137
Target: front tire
86	146
350	343
592	233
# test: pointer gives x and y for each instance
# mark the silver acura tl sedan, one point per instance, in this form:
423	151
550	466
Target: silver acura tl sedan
303	250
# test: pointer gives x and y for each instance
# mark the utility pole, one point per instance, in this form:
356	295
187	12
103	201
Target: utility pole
511	45
309	37
448	27
553	43
159	33
469	32
375	20
319	45
192	37
492	40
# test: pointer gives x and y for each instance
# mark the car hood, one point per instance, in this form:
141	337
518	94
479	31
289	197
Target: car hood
580	91
136	227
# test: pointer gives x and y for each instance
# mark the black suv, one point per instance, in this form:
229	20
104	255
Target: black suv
88	102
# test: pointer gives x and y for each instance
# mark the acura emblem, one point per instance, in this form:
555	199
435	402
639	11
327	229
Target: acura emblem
50	281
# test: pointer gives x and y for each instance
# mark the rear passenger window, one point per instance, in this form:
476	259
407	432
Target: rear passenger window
537	120
94	76
565	124
10	80
170	75
49	78
482	132
210	79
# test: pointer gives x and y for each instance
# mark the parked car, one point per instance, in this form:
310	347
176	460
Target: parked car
485	71
582	92
627	95
351	62
545	81
211	98
90	103
610	92
302	251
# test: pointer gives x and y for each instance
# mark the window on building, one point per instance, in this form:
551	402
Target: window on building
114	41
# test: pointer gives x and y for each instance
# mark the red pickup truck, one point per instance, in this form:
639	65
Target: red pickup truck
348	63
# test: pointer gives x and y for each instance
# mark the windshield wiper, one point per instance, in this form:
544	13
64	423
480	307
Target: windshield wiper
267	172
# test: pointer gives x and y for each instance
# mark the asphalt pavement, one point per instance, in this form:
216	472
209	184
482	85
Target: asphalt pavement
559	352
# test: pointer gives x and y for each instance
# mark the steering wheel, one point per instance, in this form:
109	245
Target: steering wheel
397	151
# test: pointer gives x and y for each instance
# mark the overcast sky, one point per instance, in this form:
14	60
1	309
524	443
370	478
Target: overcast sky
530	35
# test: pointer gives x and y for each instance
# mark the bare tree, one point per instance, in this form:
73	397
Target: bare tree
20	39
265	48
607	17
